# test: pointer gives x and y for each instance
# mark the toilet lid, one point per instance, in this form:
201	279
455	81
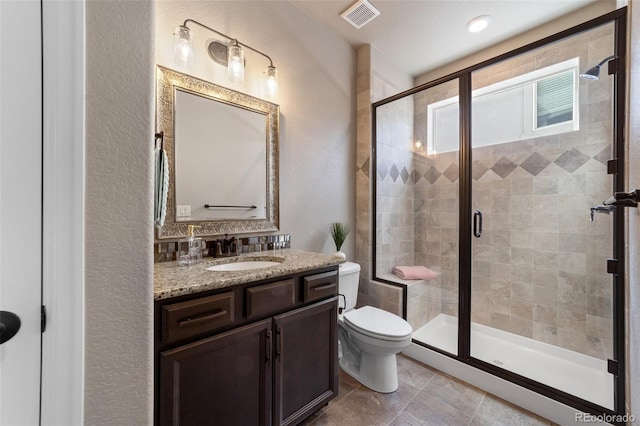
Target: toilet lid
378	323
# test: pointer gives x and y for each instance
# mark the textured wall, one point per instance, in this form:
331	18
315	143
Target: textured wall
316	75
317	151
119	125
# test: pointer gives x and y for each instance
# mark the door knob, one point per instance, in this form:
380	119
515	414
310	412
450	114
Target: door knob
9	325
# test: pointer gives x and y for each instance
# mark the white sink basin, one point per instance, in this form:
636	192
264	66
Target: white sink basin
243	266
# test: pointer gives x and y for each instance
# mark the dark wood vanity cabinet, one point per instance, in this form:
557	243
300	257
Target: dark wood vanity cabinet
305	370
201	383
256	365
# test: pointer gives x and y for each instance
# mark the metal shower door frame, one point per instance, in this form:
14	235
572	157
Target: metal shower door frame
616	167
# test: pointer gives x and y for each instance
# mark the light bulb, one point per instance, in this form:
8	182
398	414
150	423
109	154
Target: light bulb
271	85
182	51
235	67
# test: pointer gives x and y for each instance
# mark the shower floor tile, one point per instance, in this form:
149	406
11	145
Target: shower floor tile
424	397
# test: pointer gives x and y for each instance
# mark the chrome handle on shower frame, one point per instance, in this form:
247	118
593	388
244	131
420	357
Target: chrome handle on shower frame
624	199
619	199
477	224
606	209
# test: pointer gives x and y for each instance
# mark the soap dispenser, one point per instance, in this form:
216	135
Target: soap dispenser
190	248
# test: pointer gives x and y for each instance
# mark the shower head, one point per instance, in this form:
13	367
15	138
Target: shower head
593	73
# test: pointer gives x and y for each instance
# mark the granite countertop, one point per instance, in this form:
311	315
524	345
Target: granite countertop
171	280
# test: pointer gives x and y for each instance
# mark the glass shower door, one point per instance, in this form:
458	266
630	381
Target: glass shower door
417	207
541	297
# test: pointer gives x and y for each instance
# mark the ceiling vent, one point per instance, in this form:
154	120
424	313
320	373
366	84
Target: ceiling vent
360	13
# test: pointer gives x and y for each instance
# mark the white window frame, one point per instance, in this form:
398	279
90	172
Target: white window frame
528	82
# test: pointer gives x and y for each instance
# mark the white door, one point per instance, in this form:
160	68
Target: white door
20	207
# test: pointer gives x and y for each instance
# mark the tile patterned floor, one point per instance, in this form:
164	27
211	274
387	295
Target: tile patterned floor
425	397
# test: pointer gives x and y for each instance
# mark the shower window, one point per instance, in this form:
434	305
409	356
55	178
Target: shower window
542	102
555	99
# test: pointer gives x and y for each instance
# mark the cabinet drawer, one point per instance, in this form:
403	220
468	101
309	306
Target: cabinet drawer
320	286
266	298
186	319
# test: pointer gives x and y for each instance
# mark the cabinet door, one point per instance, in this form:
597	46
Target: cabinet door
306	359
221	380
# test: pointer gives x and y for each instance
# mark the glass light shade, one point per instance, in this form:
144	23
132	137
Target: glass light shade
235	67
271	85
182	51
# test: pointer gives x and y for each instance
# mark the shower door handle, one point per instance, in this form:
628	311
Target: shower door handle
477	224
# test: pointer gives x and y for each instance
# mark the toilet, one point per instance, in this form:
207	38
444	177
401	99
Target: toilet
368	338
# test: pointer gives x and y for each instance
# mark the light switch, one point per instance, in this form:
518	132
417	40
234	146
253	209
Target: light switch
183	211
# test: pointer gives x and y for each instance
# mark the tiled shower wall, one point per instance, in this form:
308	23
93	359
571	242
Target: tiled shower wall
539	270
437	224
395	232
371	87
435	181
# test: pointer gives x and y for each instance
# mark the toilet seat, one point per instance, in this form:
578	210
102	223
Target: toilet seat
377	323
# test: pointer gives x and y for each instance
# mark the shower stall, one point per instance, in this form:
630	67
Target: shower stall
494	177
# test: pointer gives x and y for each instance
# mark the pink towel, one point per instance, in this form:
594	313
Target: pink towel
414	273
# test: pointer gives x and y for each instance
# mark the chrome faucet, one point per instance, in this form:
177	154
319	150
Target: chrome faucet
226	247
230	246
601	209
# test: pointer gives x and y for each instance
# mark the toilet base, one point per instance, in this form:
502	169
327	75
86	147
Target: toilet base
378	373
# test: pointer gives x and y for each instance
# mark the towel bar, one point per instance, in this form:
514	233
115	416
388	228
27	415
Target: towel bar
209	206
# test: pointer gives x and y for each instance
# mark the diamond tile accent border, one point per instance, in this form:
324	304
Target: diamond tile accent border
364	168
432	175
571	160
382	169
504	167
478	170
535	163
452	173
404	174
603	156
415	176
394	173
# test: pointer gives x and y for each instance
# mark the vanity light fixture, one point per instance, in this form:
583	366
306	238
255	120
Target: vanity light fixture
272	82
478	23
182	51
235	65
231	55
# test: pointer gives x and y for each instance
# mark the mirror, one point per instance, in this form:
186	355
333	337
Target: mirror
222	151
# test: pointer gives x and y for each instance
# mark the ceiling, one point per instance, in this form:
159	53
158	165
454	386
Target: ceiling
422	35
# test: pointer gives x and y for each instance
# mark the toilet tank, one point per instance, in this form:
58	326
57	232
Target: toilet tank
349	273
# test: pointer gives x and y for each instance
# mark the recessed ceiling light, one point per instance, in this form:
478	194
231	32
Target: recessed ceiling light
478	23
